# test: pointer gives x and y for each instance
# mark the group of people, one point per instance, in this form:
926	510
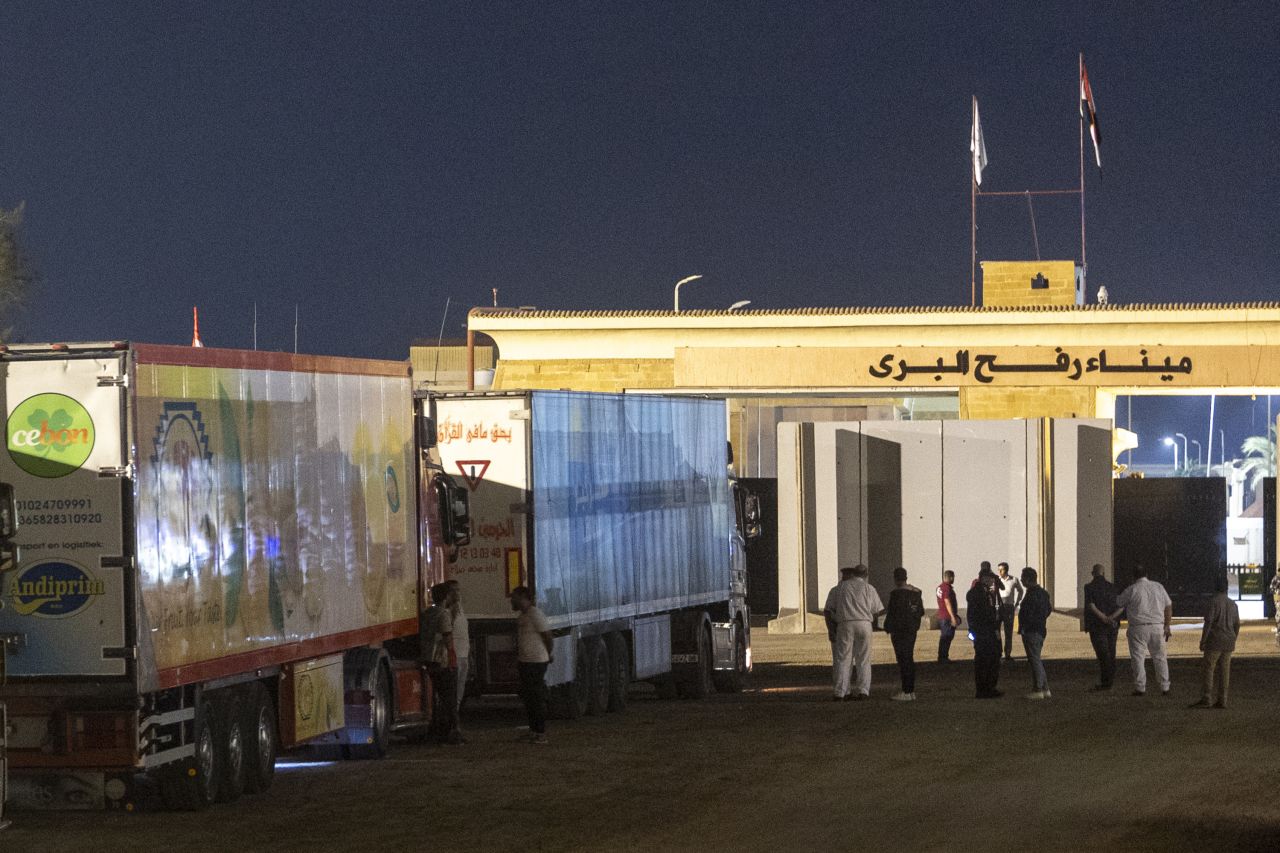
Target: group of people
446	651
993	601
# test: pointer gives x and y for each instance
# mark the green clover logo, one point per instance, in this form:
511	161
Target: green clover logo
50	435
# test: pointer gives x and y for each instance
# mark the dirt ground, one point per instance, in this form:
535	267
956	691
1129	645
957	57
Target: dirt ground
781	767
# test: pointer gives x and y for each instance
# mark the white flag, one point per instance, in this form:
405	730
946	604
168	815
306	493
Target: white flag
977	146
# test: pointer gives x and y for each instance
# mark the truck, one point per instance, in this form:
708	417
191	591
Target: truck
619	512
218	554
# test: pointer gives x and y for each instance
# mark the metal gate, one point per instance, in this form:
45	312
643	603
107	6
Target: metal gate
1176	527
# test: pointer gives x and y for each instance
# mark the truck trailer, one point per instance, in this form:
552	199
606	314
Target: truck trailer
219	554
619	512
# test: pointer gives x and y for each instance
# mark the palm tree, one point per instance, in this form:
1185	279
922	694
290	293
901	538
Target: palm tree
1259	458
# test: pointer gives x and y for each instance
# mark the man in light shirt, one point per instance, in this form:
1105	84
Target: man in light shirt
1010	601
461	639
1150	614
852	605
533	654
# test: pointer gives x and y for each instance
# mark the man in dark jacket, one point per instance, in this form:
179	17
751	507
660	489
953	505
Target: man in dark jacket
902	623
984	624
1099	604
1033	622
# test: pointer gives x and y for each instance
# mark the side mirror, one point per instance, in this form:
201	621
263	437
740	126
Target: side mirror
426	431
8	513
459	510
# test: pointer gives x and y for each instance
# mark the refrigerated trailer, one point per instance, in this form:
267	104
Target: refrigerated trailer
219	553
619	512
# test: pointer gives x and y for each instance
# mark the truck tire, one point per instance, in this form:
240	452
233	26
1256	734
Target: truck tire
262	741
619	670
733	680
192	785
379	717
700	684
598	672
230	739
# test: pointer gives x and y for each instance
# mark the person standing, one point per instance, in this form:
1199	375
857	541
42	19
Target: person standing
948	615
1099	604
984	624
1275	601
902	623
840	633
461	640
1218	642
853	604
442	663
1033	624
1150	612
1010	601
533	654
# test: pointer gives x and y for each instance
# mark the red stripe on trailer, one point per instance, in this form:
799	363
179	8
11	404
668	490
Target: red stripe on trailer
329	644
261	360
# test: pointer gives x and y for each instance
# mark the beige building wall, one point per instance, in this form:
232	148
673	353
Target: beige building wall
1231	347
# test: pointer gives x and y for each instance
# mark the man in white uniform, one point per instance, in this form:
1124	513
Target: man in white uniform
1150	612
461	638
852	604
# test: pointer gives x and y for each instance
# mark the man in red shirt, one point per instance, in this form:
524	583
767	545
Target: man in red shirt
948	615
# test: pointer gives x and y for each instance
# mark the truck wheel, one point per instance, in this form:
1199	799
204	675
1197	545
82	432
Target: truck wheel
230	740
598	687
192	785
733	680
619	670
379	716
261	741
700	685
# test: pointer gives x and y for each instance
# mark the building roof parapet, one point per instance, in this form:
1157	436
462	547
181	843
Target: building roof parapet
826	311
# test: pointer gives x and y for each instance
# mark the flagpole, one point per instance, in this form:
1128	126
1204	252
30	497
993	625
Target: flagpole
973	223
1084	264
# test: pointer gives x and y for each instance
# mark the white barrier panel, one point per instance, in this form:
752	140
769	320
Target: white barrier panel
935	495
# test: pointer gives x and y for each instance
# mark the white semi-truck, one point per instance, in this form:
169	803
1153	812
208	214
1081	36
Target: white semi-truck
619	512
217	554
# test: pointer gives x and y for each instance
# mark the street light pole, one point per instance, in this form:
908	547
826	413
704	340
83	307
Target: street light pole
680	282
1198	451
1169	442
1186	455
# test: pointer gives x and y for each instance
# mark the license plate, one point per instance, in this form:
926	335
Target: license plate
58	791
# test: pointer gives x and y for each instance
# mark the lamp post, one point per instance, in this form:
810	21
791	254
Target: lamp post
680	282
1198	451
1186	456
1169	442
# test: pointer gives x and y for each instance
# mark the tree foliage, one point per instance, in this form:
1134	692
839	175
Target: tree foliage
1259	458
17	273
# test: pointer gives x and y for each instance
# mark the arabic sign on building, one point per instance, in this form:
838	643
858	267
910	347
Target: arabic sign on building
977	366
987	367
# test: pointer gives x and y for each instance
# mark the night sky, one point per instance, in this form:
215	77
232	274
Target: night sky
367	161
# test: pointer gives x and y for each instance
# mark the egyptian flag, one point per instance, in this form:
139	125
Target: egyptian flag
1086	103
